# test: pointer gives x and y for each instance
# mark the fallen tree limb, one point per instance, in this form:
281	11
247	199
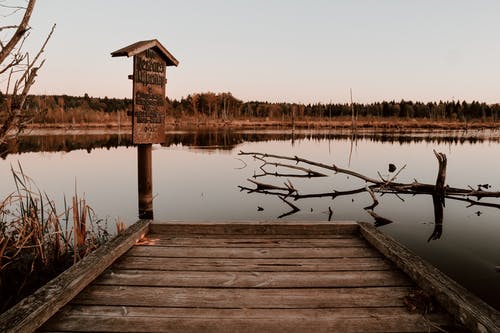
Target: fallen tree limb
440	191
381	185
265	187
307	173
297	159
374	198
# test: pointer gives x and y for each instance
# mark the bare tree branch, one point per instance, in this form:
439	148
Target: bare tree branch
306	171
22	70
374	198
21	30
332	167
266	187
14	10
6	27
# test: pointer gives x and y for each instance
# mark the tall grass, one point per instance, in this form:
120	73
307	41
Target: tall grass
37	242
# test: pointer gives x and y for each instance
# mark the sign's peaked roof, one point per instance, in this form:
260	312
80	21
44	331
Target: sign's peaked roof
144	45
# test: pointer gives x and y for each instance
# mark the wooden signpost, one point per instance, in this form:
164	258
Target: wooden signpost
151	59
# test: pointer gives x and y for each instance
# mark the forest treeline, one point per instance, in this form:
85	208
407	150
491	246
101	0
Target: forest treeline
49	109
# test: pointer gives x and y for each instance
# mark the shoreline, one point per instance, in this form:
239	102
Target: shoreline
191	123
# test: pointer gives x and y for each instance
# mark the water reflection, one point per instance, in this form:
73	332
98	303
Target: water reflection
63	143
438	203
202	184
228	139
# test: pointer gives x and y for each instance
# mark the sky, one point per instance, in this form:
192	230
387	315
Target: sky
279	50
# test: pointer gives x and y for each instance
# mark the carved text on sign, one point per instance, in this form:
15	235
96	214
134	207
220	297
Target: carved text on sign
149	98
150	104
150	70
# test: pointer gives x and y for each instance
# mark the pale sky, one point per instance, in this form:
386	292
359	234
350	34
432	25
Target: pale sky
279	50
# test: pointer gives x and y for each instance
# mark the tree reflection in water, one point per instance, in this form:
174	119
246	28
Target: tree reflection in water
227	139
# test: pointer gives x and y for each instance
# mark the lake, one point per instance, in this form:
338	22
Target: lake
197	175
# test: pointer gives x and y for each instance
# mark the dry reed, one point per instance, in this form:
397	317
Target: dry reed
36	242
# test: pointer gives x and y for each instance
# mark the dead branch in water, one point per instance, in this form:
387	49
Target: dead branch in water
439	191
379	220
307	173
381	185
292	206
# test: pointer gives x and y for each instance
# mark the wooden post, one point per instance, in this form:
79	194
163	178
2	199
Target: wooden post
441	177
438	196
148	110
145	181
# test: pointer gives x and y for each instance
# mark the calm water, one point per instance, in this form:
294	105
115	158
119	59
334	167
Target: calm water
197	174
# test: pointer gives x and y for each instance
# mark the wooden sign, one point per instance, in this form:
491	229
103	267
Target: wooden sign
149	102
151	59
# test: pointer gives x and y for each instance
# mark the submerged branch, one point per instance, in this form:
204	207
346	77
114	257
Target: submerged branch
379	220
439	190
307	173
294	210
266	187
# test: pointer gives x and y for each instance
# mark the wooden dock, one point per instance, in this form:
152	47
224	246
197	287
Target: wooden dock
250	277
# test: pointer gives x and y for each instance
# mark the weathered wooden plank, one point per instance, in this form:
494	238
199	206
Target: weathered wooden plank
256	228
260	236
34	310
266	253
253	279
242	298
408	323
173	312
250	265
151	319
469	309
251	242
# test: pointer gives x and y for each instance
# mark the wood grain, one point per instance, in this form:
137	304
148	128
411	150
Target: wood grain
253	279
253	253
256	228
248	277
150	319
34	310
251	265
253	242
466	307
242	297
